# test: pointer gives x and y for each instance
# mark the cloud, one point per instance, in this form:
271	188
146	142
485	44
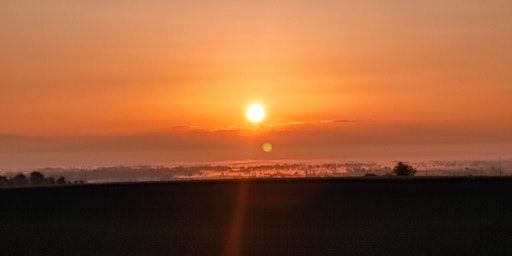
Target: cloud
311	124
258	128
344	121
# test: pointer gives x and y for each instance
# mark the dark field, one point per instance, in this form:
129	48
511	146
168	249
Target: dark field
467	216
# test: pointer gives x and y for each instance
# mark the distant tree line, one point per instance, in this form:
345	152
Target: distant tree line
35	179
402	169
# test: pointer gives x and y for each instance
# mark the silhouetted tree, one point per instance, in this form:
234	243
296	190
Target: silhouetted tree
402	169
61	180
20	179
4	181
37	178
49	180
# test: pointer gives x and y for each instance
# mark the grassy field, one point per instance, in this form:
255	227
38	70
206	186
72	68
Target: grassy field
366	216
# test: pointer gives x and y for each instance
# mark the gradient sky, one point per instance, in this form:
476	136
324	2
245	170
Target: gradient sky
337	79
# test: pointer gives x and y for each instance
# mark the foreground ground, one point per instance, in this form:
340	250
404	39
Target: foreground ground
470	216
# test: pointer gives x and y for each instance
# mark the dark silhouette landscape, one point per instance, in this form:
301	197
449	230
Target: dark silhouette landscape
315	216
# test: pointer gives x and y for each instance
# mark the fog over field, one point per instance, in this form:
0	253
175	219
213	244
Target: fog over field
271	169
197	147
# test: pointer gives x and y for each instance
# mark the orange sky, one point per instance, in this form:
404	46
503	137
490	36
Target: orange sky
395	69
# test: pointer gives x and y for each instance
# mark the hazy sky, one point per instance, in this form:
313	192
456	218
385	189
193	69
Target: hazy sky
334	76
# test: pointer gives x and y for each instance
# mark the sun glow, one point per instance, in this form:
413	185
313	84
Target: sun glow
255	113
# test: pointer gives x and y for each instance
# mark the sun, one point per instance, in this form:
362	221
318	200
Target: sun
255	113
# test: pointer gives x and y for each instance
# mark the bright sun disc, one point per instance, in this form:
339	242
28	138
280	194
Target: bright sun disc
255	113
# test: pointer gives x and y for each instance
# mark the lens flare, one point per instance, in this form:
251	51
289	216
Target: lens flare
267	147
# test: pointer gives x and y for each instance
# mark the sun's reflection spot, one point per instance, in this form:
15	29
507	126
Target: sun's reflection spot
267	147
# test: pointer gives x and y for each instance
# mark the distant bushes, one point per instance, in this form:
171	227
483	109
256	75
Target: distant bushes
35	179
402	169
